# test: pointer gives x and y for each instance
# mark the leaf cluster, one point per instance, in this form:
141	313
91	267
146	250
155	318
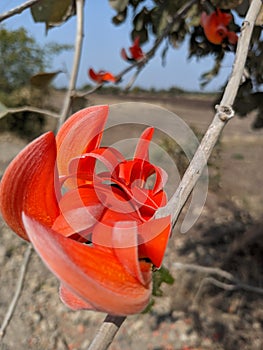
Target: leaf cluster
151	19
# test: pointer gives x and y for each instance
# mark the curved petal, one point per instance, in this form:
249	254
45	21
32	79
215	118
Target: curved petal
94	76
107	76
103	232
124	55
223	17
81	133
136	50
80	211
29	184
83	167
125	245
95	276
154	236
102	76
147	202
142	170
124	172
142	148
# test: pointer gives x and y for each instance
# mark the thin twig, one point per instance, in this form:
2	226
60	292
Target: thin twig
86	93
235	283
18	290
132	80
75	68
205	269
215	282
226	286
223	113
28	109
17	9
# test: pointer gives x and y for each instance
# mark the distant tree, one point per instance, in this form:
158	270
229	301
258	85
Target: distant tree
21	57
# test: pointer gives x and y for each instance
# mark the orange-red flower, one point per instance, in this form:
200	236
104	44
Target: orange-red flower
216	29
98	235
102	76
135	51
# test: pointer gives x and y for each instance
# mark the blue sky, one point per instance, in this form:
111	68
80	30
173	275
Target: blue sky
102	44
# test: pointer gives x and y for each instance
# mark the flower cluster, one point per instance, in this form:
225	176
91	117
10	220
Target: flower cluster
95	230
216	29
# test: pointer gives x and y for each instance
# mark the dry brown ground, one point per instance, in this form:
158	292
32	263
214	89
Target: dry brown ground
228	234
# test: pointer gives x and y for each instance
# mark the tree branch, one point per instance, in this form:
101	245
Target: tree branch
17	10
205	269
224	112
226	286
236	284
241	54
18	290
107	332
75	68
28	109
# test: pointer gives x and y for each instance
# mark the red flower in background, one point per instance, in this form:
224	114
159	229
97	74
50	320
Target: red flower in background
135	51
100	237
102	76
216	29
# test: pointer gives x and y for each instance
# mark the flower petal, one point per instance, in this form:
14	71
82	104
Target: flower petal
83	167
72	300
29	184
102	235
142	149
95	276
80	211
136	50
102	76
154	236
94	76
81	133
125	244
124	55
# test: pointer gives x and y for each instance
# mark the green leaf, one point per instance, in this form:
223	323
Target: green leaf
42	80
142	34
161	276
119	18
164	53
119	5
243	8
3	110
52	13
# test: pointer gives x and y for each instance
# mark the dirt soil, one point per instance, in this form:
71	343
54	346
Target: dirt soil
200	311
